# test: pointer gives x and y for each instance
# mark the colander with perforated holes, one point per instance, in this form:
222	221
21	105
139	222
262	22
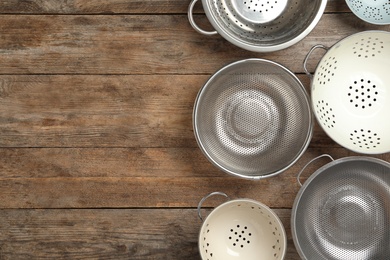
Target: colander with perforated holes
342	211
252	119
260	25
351	92
371	11
241	229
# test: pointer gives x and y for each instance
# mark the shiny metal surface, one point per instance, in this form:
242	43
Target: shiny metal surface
343	211
258	11
264	26
252	119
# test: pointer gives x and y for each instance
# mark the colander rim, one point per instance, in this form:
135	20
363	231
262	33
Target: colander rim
227	203
210	158
257	47
310	179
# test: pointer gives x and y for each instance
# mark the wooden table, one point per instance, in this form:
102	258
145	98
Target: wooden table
98	157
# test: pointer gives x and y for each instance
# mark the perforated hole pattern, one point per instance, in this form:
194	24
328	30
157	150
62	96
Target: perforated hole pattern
368	47
365	138
240	236
261	6
344	212
369	9
325	114
363	94
326	70
254	119
291	21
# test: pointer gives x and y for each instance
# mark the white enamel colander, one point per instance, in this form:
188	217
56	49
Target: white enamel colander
351	92
241	229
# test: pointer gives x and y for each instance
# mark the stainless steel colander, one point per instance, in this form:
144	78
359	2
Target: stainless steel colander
261	25
253	119
371	11
351	92
241	229
343	211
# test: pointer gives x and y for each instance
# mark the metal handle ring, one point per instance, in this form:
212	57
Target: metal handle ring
308	56
205	198
312	160
192	21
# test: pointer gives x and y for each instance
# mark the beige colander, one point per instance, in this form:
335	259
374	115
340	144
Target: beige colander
241	229
350	92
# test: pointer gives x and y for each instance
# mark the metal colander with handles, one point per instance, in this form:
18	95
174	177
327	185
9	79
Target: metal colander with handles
342	211
260	25
351	92
252	119
241	229
371	11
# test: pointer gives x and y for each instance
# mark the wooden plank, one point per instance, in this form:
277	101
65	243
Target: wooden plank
115	6
90	111
122	178
107	234
138	44
104	111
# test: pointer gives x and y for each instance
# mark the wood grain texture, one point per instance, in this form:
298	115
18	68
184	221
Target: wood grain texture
97	154
104	111
139	44
80	111
116	6
136	178
107	234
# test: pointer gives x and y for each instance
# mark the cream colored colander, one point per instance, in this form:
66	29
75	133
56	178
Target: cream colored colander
351	92
241	229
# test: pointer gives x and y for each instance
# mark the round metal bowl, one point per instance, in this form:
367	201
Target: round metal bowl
252	119
343	211
261	26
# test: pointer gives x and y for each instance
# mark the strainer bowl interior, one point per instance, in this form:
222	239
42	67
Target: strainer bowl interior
242	229
371	11
351	92
263	26
252	119
343	211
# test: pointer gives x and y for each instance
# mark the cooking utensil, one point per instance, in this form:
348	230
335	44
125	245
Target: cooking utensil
252	119
351	92
371	11
260	26
241	229
343	211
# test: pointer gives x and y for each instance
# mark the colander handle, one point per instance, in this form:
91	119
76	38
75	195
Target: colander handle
308	56
311	161
192	22
205	198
